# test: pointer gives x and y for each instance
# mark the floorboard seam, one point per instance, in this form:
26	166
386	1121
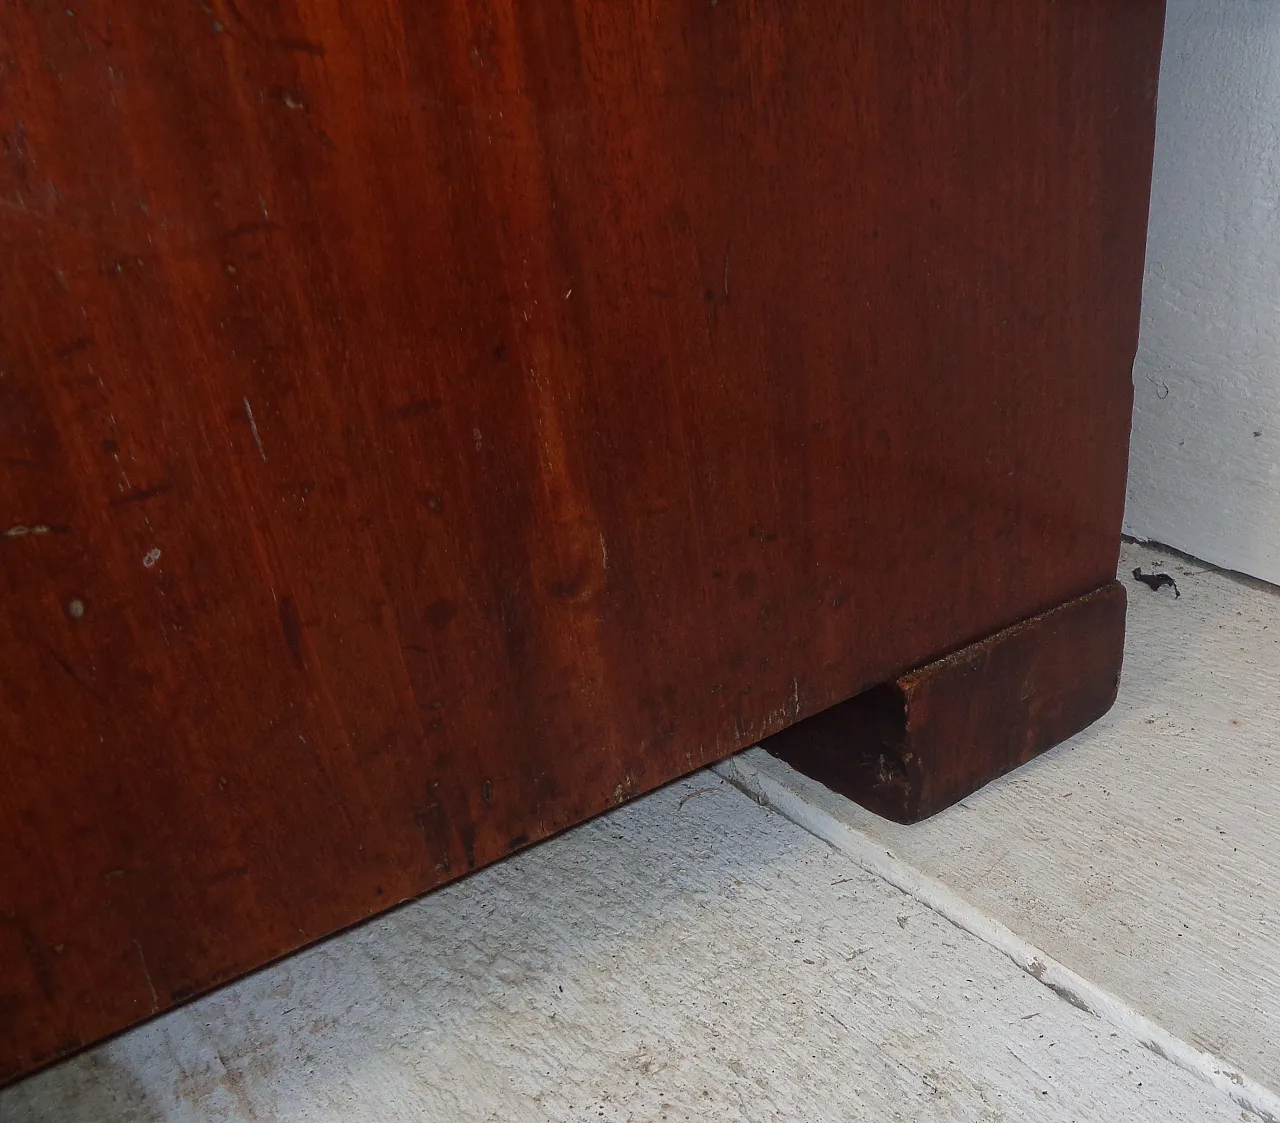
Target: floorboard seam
1071	987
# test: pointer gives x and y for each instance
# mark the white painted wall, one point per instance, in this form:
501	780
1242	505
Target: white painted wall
1204	471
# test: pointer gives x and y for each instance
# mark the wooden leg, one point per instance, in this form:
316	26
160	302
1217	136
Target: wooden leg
908	748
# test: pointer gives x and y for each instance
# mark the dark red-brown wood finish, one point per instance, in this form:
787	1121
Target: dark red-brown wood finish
426	425
909	748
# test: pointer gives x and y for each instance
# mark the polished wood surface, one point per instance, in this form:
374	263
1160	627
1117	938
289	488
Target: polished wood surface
423	426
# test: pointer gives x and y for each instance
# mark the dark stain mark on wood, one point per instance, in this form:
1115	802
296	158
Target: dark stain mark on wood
440	612
233	873
246	229
579	583
36	956
199	986
10	1007
291	625
416	408
80	343
302	46
142	494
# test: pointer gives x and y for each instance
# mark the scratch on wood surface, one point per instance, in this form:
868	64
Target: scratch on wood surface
253	428
71	673
146	974
22	208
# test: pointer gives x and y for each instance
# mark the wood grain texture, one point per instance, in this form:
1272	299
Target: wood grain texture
424	427
909	748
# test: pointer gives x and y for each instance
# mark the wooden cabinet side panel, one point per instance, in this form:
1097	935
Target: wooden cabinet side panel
423	426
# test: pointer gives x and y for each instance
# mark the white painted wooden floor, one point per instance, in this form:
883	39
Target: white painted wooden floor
695	955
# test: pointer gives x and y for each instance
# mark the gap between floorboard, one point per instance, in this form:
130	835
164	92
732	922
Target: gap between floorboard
788	799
